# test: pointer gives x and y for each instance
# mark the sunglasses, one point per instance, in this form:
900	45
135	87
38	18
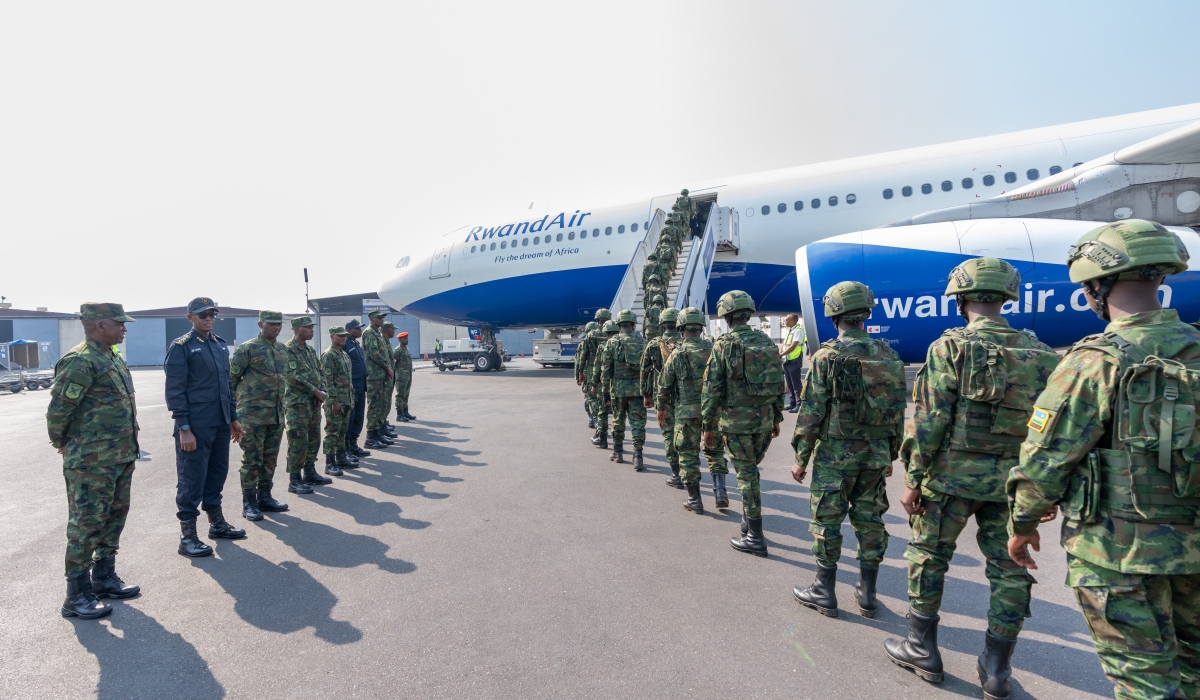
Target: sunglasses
211	313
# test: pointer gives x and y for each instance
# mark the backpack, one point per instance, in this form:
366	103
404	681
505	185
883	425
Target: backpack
755	371
689	383
627	357
868	392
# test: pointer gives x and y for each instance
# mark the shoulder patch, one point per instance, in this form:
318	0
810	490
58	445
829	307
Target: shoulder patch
74	391
292	364
181	340
1040	419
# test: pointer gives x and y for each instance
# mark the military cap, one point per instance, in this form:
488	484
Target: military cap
386	324
199	304
1131	249
844	298
302	322
100	311
691	316
979	276
337	330
354	323
735	300
669	316
270	316
378	313
402	334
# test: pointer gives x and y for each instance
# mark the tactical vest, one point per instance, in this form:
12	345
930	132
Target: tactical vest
666	346
627	357
755	371
689	382
997	387
1151	471
868	393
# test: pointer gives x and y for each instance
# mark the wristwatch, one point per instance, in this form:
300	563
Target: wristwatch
184	427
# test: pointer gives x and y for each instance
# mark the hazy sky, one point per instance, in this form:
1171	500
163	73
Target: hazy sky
153	152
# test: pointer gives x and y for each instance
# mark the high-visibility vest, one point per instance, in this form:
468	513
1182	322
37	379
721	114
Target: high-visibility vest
796	335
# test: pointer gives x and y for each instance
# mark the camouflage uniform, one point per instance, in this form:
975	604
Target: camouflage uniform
580	362
379	361
620	375
679	390
402	361
651	325
303	379
391	384
256	371
656	352
601	395
335	368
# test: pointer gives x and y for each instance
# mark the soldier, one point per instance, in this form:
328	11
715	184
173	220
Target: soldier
588	406
1130	498
402	359
200	398
648	272
687	209
335	368
621	375
257	374
657	351
92	422
600	390
358	377
303	394
379	371
652	323
585	359
743	397
388	329
973	398
850	420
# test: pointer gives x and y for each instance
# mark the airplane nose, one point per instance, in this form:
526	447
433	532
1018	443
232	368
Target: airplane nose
400	288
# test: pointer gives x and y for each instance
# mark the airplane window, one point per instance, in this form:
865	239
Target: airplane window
472	249
926	188
781	208
947	185
503	245
906	191
1054	170
646	225
595	233
1077	165
766	210
816	204
851	198
493	246
833	201
1010	177
633	228
607	230
799	205
570	236
621	228
558	237
887	194
988	180
524	241
1032	173
968	183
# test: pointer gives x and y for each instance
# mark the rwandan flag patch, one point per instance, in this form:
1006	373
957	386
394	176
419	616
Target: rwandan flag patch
1039	419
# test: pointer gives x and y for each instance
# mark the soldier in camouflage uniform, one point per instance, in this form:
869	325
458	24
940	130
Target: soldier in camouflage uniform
687	210
743	398
588	404
585	358
599	393
335	369
379	373
303	394
652	278
849	422
256	372
388	329
92	422
973	399
656	353
652	323
1130	498
621	376
402	363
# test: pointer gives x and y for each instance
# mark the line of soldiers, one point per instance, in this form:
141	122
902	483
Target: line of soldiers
265	388
661	263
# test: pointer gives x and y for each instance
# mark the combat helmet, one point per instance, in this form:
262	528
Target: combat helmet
735	300
851	300
610	327
976	278
602	315
691	316
591	326
659	299
1134	249
626	316
669	316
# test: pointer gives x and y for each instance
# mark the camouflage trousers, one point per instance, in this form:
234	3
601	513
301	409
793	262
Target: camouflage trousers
630	407
1146	629
746	451
97	505
667	428
687	439
260	451
377	400
859	493
403	386
934	539
387	395
589	404
336	427
603	408
303	434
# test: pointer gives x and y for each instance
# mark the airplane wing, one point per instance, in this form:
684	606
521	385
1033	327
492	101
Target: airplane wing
1180	145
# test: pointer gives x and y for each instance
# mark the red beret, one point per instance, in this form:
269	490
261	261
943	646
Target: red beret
402	335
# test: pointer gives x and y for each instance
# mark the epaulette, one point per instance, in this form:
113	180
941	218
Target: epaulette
182	339
961	332
217	337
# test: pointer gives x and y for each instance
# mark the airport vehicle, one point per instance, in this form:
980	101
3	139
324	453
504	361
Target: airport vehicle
558	348
468	352
12	383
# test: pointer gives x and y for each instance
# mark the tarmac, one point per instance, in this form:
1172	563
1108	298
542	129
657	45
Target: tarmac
492	553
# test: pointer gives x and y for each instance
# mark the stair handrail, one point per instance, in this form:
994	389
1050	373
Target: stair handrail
632	281
693	283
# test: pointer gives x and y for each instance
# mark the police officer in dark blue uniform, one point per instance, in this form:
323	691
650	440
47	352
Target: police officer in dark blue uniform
358	378
200	398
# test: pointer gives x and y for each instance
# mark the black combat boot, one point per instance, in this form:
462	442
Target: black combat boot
331	468
250	509
219	528
752	541
601	441
674	481
592	422
373	443
189	543
383	438
81	602
919	653
994	666
312	477
349	455
719	493
821	595
106	583
340	459
618	454
353	448
408	416
296	484
864	592
267	502
638	465
694	503
389	430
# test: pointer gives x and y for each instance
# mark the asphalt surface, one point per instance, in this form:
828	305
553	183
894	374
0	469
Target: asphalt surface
492	553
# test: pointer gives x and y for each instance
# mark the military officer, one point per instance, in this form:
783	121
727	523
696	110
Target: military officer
850	420
256	372
335	369
92	422
358	377
303	394
200	398
388	329
743	398
652	322
590	328
657	351
621	375
1109	440
599	389
379	371
402	363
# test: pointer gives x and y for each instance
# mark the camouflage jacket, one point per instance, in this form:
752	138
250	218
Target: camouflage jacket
926	451
651	328
657	351
585	355
378	353
681	383
257	371
816	406
597	363
303	377
1073	417
92	413
335	368
743	394
621	368
402	359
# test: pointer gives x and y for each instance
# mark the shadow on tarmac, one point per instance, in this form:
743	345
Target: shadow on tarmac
139	658
329	546
398	479
364	510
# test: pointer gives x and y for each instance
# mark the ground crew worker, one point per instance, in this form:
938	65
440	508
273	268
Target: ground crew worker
850	421
358	377
92	422
652	322
379	371
1130	497
973	399
402	363
656	353
743	398
600	390
388	329
256	372
200	399
621	375
437	349
588	405
335	369
793	360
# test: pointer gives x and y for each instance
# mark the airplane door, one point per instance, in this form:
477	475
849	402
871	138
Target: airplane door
440	267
